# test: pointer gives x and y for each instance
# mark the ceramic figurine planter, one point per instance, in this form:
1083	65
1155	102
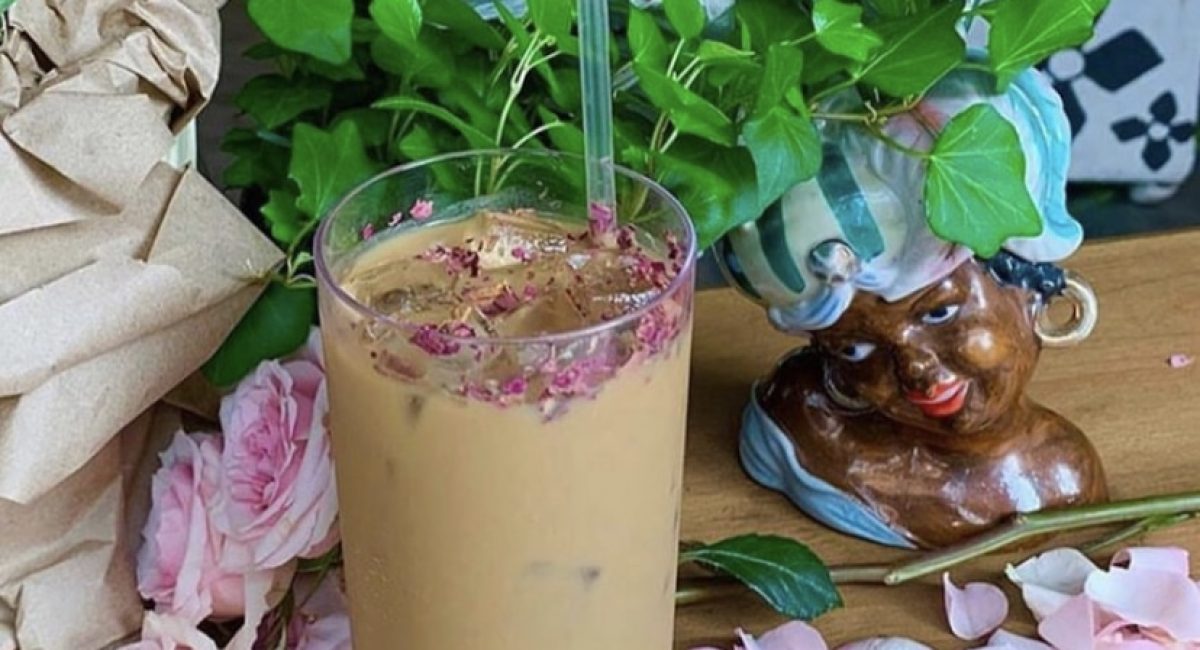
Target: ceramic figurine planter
905	421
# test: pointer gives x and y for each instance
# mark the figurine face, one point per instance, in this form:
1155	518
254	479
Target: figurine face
952	359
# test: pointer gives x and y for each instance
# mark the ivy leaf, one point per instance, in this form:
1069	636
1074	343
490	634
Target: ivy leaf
474	136
1023	32
273	100
463	21
917	50
646	41
690	112
417	144
349	71
399	20
686	16
784	65
373	124
276	325
839	29
975	191
318	29
553	17
716	52
769	21
785	573
786	149
716	184
895	8
565	137
285	220
326	165
256	161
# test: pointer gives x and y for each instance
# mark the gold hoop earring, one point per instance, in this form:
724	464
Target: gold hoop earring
1084	313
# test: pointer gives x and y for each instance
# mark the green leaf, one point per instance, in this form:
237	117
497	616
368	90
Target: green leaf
690	112
417	144
975	192
553	17
263	51
716	184
646	40
256	162
896	8
373	124
318	29
1023	32
327	164
400	20
474	136
349	71
276	325
462	21
786	149
784	65
273	100
428	61
565	137
821	64
716	52
839	29
917	51
769	21
686	16
281	214
782	571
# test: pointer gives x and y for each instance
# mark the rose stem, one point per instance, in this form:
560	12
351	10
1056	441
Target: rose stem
1155	512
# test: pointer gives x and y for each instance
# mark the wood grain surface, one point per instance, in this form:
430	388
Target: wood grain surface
1142	415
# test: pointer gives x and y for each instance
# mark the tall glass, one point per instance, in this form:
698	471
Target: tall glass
516	492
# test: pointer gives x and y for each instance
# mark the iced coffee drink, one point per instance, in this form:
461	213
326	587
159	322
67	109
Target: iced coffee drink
508	403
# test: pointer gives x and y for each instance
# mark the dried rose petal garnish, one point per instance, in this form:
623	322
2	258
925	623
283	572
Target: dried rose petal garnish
438	340
421	210
456	259
368	231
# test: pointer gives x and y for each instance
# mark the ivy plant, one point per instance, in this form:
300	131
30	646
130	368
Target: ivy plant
723	112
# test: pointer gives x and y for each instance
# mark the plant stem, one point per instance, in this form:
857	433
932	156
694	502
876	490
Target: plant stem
1137	529
893	143
1024	526
1152	512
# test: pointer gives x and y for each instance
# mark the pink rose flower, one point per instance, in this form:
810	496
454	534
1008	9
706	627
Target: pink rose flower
166	632
278	497
421	209
180	562
321	623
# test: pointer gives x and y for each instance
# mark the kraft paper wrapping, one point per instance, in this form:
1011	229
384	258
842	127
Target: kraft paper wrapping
119	276
68	578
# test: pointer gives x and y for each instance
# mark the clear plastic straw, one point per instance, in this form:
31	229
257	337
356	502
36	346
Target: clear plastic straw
596	73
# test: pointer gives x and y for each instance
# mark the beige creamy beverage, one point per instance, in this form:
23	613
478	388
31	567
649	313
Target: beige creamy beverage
500	495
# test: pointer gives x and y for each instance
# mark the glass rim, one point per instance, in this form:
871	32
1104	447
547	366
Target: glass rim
325	275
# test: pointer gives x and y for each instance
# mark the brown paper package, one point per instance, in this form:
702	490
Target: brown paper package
119	277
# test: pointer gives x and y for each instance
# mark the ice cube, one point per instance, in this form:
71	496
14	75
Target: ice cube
512	238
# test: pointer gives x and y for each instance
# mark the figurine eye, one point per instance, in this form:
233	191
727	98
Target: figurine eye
939	315
855	352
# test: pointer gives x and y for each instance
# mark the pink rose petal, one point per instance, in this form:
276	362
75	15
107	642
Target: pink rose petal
1180	360
1072	626
796	635
1167	601
1171	560
974	610
368	231
1049	580
421	209
885	643
1006	639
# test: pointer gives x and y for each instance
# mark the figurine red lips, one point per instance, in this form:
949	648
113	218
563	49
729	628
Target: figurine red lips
943	400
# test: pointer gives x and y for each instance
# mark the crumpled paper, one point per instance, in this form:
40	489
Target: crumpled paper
119	276
68	568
